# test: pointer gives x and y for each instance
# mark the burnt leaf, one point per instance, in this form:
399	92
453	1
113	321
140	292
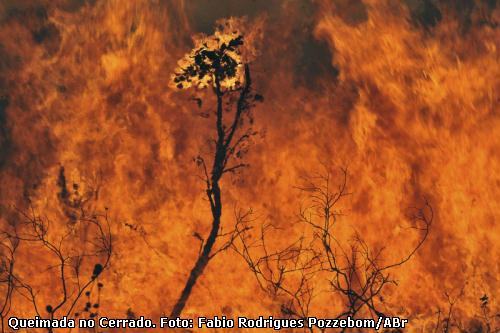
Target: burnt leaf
97	271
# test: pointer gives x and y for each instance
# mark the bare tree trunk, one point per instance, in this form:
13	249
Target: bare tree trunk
203	259
224	148
214	196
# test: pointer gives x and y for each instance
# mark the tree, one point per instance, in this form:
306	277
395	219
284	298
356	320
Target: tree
9	246
78	247
217	63
355	274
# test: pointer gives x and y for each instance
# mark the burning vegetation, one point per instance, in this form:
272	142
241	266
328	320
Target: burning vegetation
295	159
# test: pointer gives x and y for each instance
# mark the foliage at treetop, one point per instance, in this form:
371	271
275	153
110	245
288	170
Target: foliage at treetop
215	60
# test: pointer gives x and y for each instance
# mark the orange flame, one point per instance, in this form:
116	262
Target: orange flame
405	96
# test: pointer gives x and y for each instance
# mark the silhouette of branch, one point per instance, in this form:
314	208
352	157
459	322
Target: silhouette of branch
354	272
216	66
88	239
8	248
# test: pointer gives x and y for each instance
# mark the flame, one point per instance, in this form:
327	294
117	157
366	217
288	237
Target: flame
407	102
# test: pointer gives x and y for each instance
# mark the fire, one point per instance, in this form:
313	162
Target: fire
404	95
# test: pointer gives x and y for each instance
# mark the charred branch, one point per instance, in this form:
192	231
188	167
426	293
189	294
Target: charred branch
354	272
8	283
73	253
217	66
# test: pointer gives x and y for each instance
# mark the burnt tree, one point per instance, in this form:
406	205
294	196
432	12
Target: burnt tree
77	245
355	273
217	64
8	285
